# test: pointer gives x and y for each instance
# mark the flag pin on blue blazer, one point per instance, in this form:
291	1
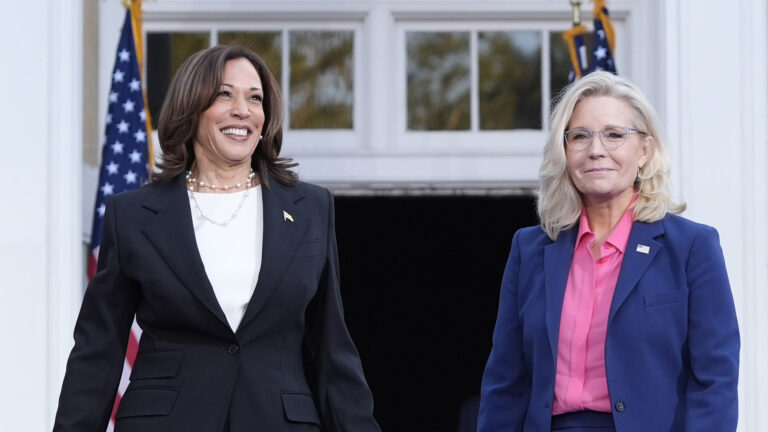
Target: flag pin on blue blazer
643	248
287	217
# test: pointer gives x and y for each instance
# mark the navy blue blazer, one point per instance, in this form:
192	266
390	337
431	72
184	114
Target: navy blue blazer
672	345
290	365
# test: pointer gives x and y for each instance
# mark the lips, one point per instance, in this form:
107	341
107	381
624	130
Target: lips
598	170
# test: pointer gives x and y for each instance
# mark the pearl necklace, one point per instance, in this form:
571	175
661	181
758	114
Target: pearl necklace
192	181
201	184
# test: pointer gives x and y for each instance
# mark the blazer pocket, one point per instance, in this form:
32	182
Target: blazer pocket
654	301
156	364
308	249
146	402
300	408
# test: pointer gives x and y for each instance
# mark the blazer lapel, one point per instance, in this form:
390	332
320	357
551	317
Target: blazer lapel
557	264
284	228
640	252
173	236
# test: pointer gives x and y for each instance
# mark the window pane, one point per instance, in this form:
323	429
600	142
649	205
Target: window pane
268	45
165	53
322	85
438	80
560	60
510	80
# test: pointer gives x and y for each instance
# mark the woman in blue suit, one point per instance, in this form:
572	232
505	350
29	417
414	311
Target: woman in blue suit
615	314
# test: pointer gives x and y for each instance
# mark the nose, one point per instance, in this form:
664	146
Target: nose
239	108
596	147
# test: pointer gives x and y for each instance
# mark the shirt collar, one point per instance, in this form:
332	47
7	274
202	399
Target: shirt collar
619	237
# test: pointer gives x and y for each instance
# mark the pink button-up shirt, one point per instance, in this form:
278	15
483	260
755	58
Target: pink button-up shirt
580	383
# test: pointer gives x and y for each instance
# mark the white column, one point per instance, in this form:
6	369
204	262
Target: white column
39	226
64	220
717	96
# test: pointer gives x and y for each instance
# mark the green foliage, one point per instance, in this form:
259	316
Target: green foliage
509	80
438	80
321	79
184	45
268	45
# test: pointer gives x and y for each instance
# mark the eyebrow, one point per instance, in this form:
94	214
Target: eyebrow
232	86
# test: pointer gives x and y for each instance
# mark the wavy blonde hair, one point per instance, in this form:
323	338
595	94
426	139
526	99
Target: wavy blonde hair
559	203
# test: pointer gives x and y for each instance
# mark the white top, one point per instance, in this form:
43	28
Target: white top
231	254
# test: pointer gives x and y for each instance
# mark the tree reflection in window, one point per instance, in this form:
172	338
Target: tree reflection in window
560	61
438	74
509	80
321	79
268	45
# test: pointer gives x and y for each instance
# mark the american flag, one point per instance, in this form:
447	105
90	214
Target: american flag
124	159
602	56
577	50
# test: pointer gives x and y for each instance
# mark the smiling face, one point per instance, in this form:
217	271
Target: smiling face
601	175
228	131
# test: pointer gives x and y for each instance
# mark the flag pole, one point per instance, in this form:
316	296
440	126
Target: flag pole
575	7
138	38
574	37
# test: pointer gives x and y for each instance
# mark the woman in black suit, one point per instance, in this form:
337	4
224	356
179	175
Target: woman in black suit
229	264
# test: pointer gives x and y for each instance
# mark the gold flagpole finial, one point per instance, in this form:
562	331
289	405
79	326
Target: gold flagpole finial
576	6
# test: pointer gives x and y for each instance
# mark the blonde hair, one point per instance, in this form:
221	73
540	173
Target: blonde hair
559	203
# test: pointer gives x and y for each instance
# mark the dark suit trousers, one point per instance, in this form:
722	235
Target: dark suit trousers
583	421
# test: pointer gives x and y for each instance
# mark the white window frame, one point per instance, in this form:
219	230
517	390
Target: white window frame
295	140
379	150
474	140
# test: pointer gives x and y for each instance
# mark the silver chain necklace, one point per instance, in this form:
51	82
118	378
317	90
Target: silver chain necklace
191	187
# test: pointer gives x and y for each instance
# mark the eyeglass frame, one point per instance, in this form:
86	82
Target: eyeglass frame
628	130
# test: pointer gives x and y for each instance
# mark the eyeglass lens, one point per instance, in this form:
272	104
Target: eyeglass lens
610	136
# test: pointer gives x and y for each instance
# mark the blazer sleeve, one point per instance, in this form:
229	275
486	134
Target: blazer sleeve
506	385
713	339
101	335
342	394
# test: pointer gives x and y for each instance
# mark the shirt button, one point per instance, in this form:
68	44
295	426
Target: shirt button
620	406
233	349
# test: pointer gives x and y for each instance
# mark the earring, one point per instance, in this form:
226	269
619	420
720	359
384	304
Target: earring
261	137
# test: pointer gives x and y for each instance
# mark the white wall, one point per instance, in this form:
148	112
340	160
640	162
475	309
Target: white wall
716	79
39	226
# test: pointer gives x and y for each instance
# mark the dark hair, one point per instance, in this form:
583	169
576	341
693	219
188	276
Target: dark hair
193	90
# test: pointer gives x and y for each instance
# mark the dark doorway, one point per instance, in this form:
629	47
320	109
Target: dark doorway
420	278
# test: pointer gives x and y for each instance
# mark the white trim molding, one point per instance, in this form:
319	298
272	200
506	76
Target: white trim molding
64	151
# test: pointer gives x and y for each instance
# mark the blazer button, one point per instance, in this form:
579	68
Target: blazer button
620	406
233	349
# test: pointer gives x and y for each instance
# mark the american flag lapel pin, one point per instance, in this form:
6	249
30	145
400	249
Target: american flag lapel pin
287	217
643	249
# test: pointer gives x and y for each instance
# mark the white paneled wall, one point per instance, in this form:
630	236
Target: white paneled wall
40	260
716	97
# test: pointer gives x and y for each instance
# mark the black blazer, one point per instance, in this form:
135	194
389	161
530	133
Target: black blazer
290	366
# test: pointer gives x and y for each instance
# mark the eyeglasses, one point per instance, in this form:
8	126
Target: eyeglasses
612	137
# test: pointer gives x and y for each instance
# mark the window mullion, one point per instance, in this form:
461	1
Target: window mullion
474	87
546	71
285	79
